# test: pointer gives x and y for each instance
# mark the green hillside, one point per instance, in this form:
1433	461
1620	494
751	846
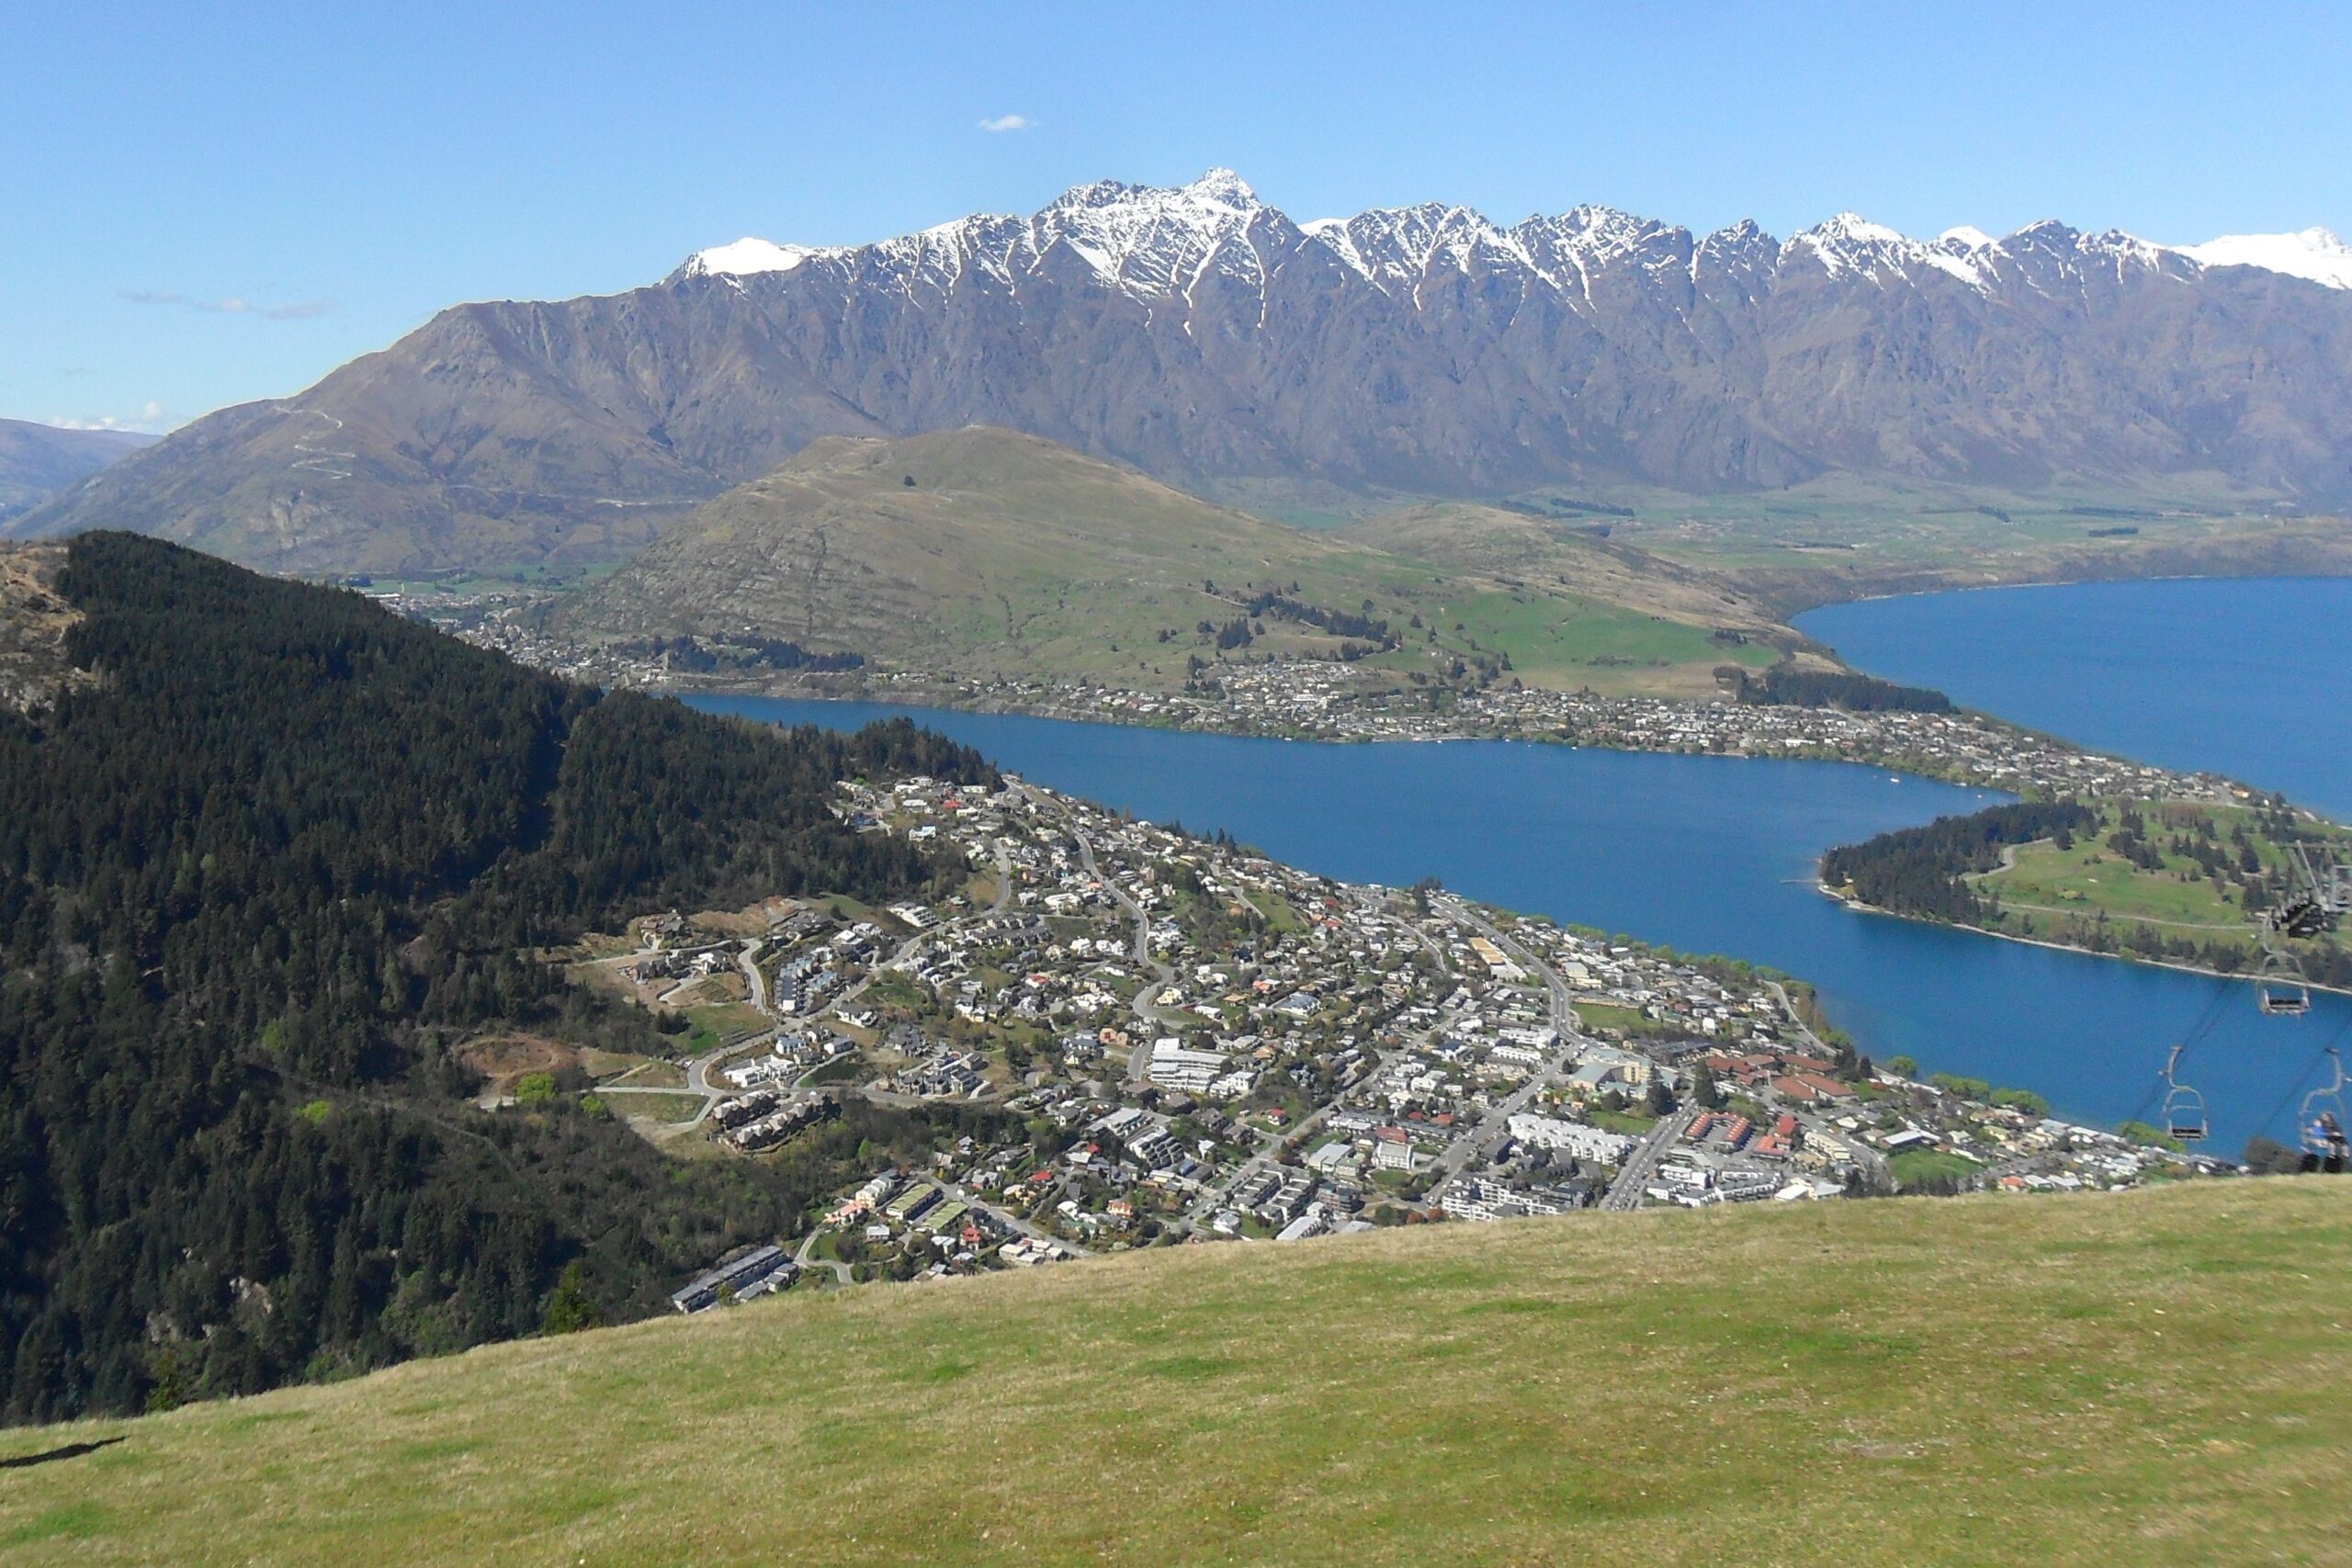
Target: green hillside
982	552
1573	607
2170	880
270	857
1846	536
2151	1378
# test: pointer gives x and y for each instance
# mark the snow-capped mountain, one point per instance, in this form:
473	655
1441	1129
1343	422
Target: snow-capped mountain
1151	243
2314	253
1209	339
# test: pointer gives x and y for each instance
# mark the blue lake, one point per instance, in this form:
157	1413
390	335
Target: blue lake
2246	677
1707	854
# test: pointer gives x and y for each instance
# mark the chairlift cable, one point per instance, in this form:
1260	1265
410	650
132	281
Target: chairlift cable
2317	1057
2277	1110
2213	1013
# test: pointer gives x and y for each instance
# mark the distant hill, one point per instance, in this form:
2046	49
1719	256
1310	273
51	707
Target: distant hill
986	552
38	460
2154	1377
1208	339
265	872
1570	554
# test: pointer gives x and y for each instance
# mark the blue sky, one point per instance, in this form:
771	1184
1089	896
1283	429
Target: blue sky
202	205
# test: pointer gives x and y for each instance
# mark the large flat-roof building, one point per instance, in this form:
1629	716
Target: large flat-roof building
756	1273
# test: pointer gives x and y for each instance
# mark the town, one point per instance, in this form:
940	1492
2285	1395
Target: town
1183	1041
1315	699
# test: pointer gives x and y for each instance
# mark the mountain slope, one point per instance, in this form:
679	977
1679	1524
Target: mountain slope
982	552
264	873
1005	554
2150	1378
1566	554
38	460
1206	338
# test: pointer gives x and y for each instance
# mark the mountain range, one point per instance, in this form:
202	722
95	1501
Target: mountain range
38	460
1209	340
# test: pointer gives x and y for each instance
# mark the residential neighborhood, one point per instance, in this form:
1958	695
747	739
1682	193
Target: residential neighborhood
1167	1039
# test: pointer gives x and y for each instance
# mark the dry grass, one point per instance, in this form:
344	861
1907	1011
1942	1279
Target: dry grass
2156	1378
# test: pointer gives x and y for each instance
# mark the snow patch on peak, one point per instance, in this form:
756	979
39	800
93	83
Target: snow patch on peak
1744	238
1853	244
1965	237
2312	253
745	258
2116	243
1593	231
1224	186
1854	227
2044	230
1154	242
1219	191
1400	244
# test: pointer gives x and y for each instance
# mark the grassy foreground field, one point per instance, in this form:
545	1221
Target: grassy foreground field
2153	1378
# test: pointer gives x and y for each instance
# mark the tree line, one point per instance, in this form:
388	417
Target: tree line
1784	685
1922	871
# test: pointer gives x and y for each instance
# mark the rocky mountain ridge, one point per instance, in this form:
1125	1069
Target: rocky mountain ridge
1211	341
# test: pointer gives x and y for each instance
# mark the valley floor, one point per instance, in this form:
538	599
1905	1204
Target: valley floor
2153	1378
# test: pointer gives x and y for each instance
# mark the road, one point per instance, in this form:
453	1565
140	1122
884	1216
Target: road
1268	1157
1634	1177
1155	974
808	1245
698	1070
748	961
1876	1171
1564	1017
1492	1124
1827	1053
1488	1127
1011	1222
697	1082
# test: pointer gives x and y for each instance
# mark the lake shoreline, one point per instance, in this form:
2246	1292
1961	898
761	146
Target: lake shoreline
1014	708
2227	675
954	699
1668	848
2239	977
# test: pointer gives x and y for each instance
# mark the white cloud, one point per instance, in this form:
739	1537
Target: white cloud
231	306
1005	122
147	421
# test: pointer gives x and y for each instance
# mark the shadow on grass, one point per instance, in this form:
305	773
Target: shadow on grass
71	1450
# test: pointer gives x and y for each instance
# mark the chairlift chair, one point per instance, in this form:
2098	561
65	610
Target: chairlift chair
2280	992
2184	1108
2327	1100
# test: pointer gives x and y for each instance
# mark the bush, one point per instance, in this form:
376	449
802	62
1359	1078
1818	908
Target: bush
2023	1100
